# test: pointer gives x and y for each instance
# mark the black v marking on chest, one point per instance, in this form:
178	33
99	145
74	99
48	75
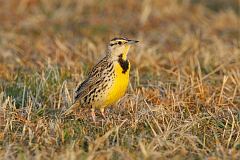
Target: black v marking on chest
124	64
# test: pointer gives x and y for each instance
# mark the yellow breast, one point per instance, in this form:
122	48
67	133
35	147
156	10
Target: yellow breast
119	86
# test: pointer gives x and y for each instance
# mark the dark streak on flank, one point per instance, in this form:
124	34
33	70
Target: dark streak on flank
93	91
85	99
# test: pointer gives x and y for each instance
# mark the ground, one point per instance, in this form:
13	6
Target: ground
183	100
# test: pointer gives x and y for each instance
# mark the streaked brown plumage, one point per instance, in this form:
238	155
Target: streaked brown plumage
108	80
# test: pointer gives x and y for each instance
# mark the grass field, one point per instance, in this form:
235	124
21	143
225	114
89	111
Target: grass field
183	101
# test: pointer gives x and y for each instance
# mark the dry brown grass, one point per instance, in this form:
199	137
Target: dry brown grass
183	101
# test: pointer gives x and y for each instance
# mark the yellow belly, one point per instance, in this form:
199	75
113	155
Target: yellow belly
119	86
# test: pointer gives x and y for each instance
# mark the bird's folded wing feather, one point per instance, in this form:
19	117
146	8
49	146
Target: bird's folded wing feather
94	78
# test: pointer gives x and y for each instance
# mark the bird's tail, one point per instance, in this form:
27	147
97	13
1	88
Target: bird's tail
71	109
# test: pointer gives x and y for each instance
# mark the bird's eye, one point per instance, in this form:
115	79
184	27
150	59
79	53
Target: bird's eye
119	42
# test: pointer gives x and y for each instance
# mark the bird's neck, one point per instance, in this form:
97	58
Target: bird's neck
124	64
123	61
121	55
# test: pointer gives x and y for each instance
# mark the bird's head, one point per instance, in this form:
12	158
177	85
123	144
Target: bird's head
118	47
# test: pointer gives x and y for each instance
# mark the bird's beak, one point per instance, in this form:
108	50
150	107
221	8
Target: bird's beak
132	41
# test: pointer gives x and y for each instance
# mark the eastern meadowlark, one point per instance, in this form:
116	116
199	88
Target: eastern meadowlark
108	80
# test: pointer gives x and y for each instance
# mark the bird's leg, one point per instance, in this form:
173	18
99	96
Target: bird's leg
102	112
93	115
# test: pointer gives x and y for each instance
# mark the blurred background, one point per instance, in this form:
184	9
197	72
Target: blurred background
183	99
70	33
178	38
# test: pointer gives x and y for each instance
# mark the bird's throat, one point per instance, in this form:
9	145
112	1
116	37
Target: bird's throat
125	52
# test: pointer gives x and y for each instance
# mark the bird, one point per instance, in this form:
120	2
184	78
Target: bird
108	80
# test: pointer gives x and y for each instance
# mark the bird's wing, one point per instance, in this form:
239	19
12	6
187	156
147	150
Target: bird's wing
93	80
